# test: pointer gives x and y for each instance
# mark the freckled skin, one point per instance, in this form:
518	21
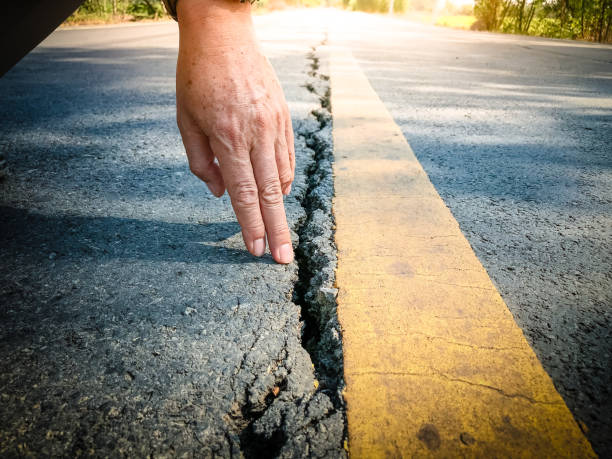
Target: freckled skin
231	108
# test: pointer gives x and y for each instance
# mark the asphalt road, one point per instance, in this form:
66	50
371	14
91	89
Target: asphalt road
132	321
516	135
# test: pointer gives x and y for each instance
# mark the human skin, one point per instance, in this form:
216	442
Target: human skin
234	120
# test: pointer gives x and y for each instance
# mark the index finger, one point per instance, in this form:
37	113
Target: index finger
271	200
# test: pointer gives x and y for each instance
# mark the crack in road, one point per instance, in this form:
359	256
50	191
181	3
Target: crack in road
316	254
282	420
315	290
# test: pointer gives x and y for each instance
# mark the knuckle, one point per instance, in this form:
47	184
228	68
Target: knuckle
270	193
262	118
227	130
281	145
278	230
245	195
279	119
286	177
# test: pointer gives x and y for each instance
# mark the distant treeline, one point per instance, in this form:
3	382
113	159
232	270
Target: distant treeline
141	9
376	6
575	19
105	9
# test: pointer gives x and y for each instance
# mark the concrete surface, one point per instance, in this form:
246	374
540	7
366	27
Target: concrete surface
515	133
132	320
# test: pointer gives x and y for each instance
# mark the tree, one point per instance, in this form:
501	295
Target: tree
586	19
487	12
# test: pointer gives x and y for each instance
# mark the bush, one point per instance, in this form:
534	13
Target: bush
478	25
146	9
95	11
587	19
486	12
549	27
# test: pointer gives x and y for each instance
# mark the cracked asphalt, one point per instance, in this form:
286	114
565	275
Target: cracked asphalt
132	320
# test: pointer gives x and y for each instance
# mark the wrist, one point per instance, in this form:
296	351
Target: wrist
215	23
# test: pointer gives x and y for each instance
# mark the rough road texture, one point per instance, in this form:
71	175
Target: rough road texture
515	134
132	320
316	290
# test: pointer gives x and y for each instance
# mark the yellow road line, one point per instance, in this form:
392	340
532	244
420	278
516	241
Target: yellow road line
434	363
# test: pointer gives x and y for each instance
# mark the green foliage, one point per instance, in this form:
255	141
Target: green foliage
377	6
109	10
146	8
487	12
575	19
371	6
549	27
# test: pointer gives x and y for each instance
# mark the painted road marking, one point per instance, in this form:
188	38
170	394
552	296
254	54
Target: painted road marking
433	361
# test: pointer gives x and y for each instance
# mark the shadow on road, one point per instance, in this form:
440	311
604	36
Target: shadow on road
40	238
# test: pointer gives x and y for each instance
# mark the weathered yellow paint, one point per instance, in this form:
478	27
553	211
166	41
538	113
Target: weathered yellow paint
434	363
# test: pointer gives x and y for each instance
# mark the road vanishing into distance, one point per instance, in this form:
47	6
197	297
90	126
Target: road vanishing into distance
133	321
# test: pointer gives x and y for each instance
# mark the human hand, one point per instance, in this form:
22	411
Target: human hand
231	107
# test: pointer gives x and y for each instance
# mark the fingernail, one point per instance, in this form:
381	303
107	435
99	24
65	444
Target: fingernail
284	254
287	190
259	247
